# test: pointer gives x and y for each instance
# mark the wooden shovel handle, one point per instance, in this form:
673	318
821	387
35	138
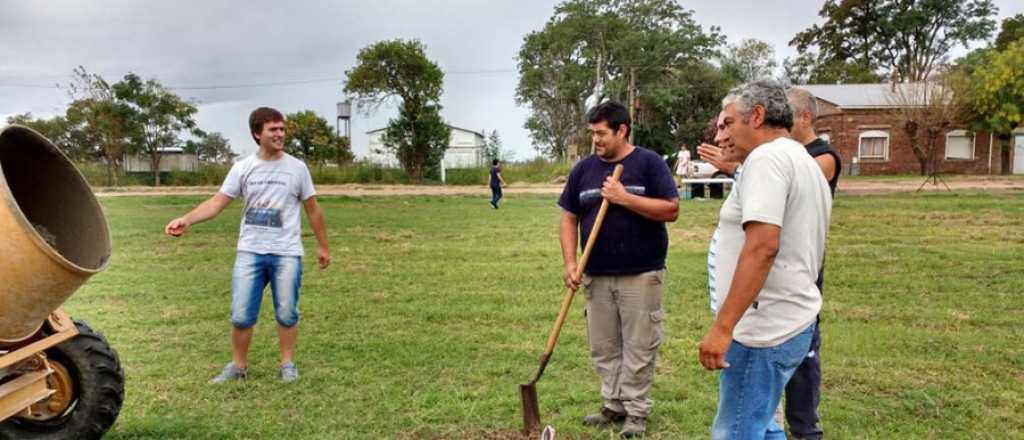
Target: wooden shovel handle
571	293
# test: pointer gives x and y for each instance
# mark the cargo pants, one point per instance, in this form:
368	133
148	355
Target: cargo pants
624	328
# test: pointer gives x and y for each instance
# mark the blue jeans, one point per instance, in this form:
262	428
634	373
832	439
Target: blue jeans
750	389
495	194
251	274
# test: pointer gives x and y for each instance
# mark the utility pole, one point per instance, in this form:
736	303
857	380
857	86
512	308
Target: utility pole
632	102
596	97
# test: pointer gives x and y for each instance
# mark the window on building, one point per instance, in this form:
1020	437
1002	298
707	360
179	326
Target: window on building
959	145
874	145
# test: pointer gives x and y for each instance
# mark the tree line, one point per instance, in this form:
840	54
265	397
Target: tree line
106	122
672	72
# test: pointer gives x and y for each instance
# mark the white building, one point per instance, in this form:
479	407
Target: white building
465	149
171	159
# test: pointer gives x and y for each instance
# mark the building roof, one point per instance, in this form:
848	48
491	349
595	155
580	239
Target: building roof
852	96
450	126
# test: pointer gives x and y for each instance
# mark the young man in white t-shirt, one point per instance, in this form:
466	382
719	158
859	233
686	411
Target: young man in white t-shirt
272	184
769	249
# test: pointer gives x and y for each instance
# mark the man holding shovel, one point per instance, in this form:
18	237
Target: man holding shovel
623	278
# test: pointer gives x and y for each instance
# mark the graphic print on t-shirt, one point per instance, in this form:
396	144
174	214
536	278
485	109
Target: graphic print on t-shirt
267	217
265	185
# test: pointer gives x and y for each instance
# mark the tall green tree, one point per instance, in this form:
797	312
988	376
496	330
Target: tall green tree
639	52
904	40
312	139
101	120
161	117
399	70
990	90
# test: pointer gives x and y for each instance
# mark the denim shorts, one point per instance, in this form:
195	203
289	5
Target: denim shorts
251	274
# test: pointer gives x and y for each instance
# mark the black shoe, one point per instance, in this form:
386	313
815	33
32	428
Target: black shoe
605	417
634	427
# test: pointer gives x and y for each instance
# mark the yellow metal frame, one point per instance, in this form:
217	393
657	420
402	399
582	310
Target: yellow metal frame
29	384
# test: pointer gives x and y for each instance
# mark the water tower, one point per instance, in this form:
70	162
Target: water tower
344	113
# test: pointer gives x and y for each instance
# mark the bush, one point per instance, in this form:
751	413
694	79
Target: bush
534	171
358	172
467	176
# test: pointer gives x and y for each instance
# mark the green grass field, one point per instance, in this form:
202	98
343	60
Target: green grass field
437	307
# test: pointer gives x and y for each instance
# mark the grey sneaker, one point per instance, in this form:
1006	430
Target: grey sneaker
289	372
605	417
634	427
230	372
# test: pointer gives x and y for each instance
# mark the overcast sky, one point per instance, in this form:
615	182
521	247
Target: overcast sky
230	57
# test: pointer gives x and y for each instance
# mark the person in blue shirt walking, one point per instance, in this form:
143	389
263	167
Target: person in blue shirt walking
496	183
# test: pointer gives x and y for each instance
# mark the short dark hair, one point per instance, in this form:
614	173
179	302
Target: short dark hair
612	113
494	162
261	116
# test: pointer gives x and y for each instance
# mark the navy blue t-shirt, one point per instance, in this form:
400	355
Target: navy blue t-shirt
494	176
628	243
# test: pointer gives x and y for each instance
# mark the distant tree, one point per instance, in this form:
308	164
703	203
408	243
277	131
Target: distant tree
750	60
1012	30
492	145
160	116
400	70
927	110
904	40
59	131
808	69
210	147
312	139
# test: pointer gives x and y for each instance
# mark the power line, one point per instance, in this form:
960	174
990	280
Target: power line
29	86
265	84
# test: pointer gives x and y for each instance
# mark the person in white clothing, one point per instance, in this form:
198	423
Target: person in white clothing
763	264
682	164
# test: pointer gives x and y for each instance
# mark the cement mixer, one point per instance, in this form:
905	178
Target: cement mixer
59	379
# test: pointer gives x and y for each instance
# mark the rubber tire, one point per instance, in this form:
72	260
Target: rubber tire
99	381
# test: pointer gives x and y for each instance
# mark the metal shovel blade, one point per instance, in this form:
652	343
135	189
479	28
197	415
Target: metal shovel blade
531	409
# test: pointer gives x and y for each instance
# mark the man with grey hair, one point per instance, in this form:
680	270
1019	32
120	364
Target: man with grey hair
771	241
803	392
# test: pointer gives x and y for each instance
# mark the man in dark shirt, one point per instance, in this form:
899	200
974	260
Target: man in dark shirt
496	182
623	278
803	392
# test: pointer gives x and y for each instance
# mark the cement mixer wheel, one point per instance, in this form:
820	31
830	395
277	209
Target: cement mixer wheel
98	381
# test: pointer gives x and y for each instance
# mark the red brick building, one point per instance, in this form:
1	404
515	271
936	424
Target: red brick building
861	121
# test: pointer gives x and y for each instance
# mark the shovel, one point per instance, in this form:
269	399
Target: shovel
528	391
